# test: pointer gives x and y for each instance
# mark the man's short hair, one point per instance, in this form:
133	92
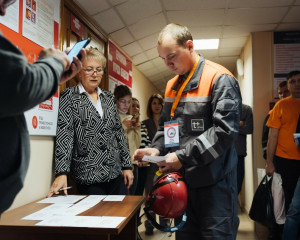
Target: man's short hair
179	32
291	74
282	84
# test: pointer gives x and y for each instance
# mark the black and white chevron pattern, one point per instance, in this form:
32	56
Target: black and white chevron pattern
90	148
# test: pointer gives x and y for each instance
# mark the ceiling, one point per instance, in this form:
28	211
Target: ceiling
135	24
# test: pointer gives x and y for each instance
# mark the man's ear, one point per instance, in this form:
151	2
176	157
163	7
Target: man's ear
190	45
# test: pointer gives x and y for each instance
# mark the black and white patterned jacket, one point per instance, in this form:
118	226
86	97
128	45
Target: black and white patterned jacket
89	148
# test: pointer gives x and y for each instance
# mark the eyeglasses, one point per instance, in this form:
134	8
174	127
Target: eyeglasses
91	71
8	3
123	102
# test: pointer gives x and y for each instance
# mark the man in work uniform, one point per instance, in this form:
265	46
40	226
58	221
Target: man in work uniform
202	106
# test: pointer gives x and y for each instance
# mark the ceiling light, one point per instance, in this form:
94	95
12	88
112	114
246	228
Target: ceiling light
206	44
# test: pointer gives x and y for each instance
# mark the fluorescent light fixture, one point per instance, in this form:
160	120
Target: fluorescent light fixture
206	44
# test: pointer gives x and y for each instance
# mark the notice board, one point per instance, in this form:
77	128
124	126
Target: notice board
119	68
33	25
286	56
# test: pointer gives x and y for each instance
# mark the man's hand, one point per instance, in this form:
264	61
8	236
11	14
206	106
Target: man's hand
74	68
171	164
140	153
270	169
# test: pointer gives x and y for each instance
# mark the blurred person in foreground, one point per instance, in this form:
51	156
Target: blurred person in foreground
23	86
202	105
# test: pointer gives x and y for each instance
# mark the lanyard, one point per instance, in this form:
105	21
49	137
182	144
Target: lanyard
175	103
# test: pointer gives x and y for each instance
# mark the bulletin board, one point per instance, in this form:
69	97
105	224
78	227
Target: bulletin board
286	56
119	67
33	25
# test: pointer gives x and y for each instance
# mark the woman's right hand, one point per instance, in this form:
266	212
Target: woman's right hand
59	182
127	122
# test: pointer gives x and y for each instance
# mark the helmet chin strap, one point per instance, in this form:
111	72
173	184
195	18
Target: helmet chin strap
161	228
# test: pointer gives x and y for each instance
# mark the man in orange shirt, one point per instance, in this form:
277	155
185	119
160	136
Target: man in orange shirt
283	155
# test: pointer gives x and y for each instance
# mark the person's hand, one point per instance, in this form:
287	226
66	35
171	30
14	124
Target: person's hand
59	182
270	168
127	122
70	70
171	163
74	69
55	53
140	153
128	178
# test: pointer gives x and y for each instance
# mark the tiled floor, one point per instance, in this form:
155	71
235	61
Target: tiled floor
245	232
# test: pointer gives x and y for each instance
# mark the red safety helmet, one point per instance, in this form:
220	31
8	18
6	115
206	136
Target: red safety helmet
168	199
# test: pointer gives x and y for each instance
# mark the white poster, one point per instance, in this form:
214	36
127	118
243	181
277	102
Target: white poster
11	19
38	24
42	119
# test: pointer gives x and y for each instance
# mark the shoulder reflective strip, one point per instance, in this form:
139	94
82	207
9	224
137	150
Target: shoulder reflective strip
195	99
168	99
208	146
189	99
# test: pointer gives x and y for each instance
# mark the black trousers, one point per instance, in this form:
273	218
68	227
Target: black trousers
212	211
290	172
113	187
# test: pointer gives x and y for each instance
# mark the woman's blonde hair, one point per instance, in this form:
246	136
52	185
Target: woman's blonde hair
95	54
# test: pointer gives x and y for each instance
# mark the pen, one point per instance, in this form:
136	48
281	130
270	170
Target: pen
66	188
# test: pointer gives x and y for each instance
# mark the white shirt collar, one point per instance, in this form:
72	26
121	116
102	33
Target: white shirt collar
82	90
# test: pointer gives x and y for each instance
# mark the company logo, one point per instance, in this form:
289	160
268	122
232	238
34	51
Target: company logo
171	132
197	124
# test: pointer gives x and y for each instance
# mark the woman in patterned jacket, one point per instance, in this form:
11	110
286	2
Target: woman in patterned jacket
91	145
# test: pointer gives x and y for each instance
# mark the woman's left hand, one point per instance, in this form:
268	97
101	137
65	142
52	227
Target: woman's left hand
128	178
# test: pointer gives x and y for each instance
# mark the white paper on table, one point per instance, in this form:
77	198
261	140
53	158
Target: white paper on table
83	221
63	199
84	205
154	159
114	198
48	212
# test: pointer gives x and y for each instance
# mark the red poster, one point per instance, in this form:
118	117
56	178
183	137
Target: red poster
76	25
119	66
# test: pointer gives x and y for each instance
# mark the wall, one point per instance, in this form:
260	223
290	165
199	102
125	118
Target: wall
39	175
246	86
142	89
262	44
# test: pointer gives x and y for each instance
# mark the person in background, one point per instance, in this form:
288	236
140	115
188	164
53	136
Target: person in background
246	127
204	101
145	142
154	108
23	86
142	167
283	92
283	155
292	222
131	126
91	145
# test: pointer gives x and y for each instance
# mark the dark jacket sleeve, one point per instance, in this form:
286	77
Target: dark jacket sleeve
247	117
214	142
25	85
264	138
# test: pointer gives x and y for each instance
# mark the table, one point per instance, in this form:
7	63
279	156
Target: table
13	228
